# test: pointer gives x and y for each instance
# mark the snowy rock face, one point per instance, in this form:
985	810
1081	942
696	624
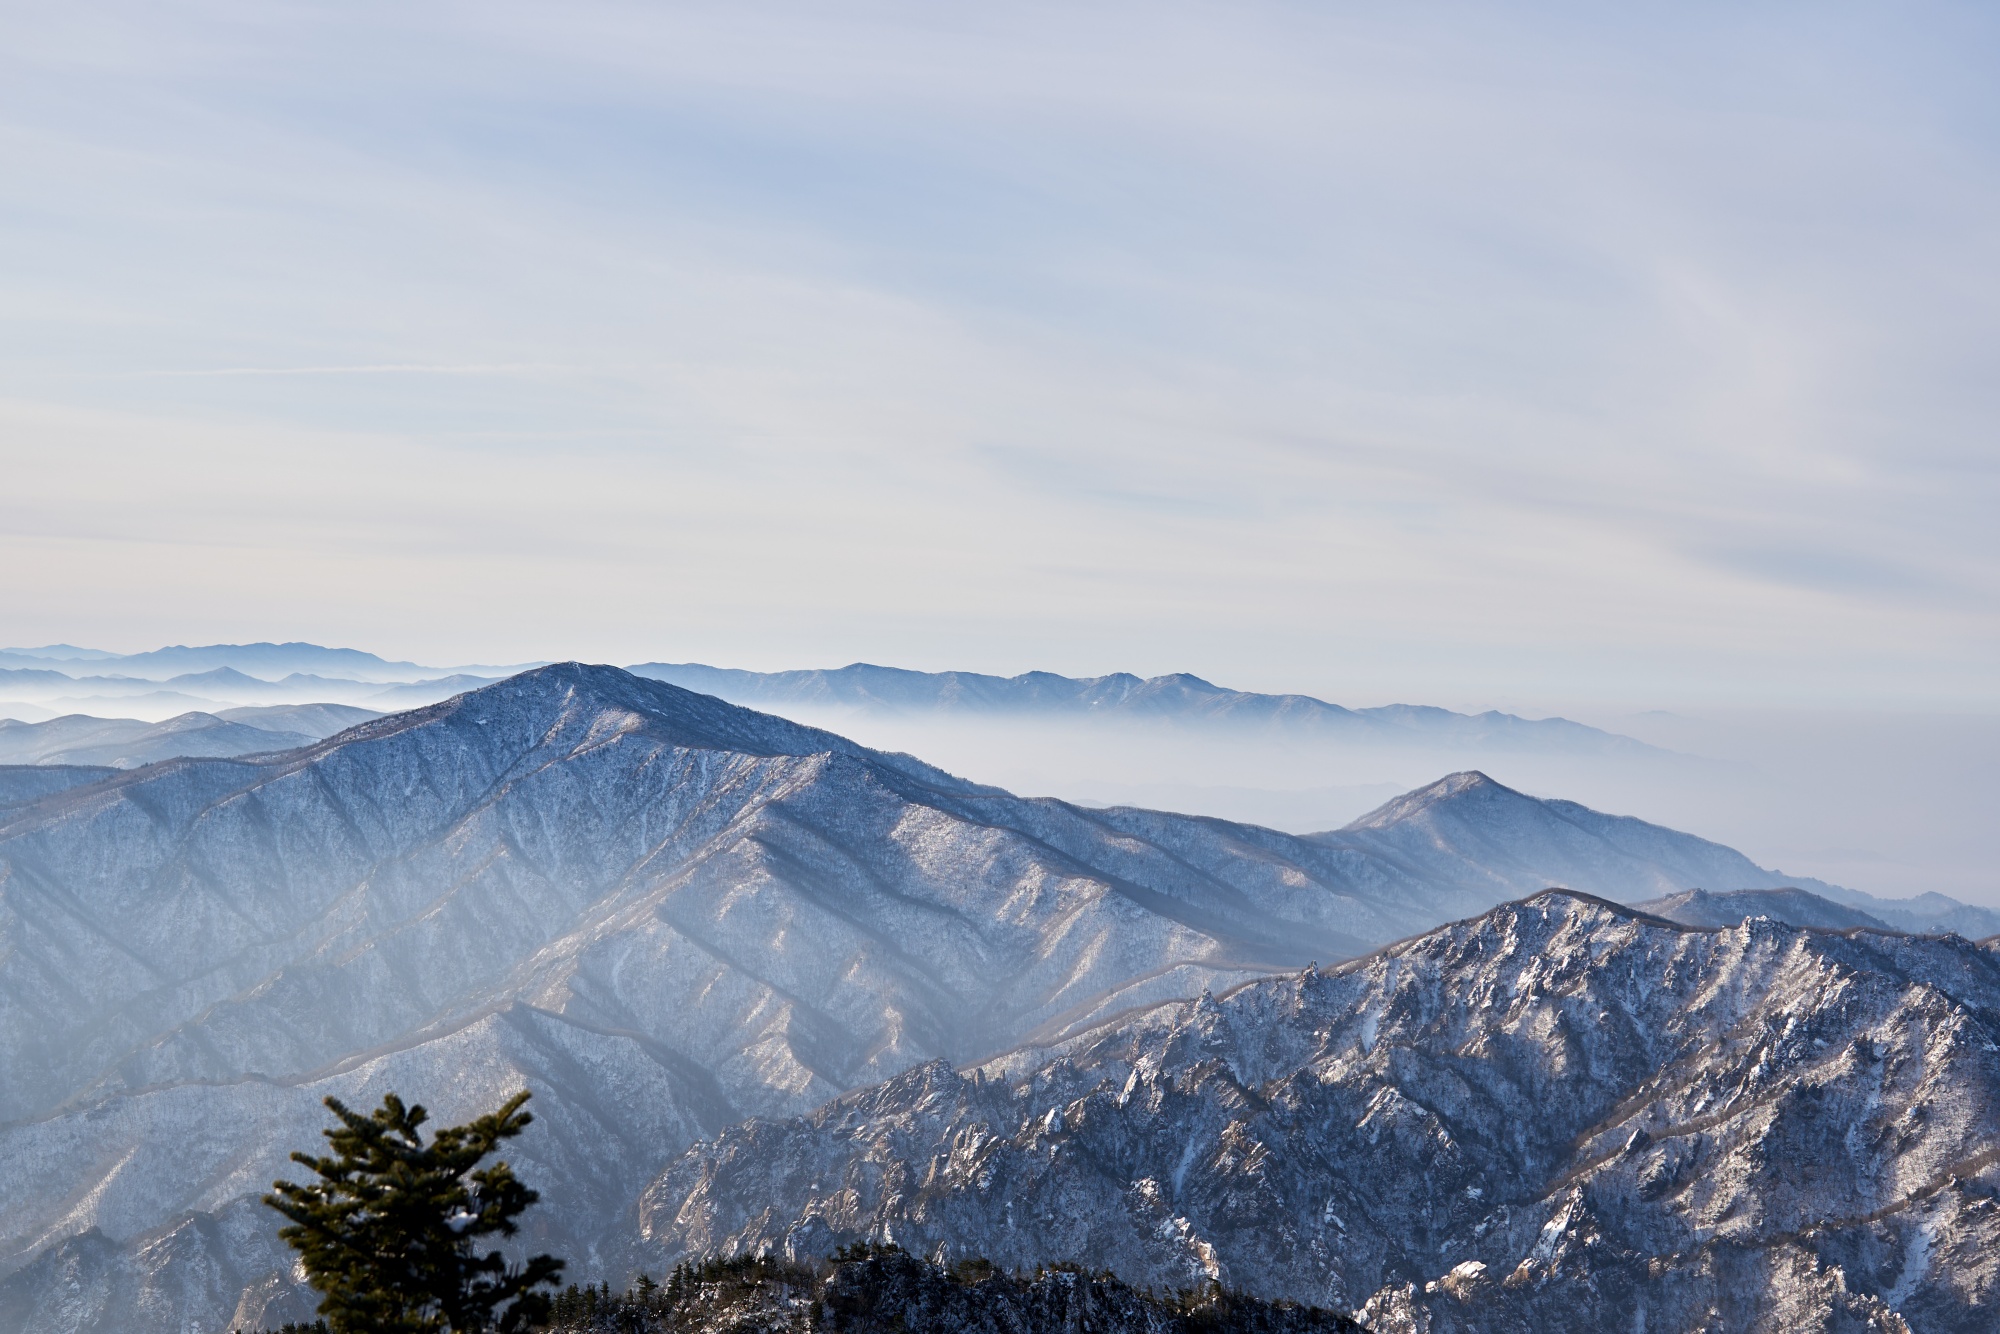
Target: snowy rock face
1561	1115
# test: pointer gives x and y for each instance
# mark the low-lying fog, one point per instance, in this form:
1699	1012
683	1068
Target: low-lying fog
1894	804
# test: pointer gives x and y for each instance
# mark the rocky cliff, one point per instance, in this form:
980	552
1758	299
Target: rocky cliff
1559	1115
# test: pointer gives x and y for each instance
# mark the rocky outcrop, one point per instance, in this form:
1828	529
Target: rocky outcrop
1559	1115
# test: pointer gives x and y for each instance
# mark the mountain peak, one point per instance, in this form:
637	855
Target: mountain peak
556	697
1452	789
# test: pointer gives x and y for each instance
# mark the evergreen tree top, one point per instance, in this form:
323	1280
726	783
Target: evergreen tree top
388	1232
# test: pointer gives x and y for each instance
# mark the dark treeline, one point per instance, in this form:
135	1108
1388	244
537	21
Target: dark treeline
881	1290
874	1290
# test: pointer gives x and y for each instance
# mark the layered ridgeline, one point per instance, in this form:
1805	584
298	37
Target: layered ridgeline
219	679
662	912
211	678
1175	698
1563	1115
127	743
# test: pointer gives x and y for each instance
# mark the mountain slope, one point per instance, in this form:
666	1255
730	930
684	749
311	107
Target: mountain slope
1485	838
1179	697
317	721
1560	1115
1466	824
21	784
311	904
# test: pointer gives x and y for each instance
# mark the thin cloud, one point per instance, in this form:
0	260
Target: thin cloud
407	368
1468	351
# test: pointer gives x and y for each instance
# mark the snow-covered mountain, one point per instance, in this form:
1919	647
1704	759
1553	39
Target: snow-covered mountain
1559	1115
662	912
1179	698
1486	838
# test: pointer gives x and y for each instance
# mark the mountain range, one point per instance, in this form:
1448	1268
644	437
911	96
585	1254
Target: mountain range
267	661
214	677
1180	698
127	743
662	912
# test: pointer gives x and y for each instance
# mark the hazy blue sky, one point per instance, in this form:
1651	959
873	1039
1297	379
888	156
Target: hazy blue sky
1470	354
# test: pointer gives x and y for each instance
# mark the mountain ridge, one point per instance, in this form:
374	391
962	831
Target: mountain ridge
1563	1113
1177	696
178	659
293	672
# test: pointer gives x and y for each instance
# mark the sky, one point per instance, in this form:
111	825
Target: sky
1465	354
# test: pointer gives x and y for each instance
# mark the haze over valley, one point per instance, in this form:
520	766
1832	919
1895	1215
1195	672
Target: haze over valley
1889	802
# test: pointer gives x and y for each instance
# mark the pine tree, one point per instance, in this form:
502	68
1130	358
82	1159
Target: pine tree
388	1232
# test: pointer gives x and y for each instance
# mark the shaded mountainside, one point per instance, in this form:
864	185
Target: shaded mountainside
1559	1115
1179	697
895	1293
21	784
